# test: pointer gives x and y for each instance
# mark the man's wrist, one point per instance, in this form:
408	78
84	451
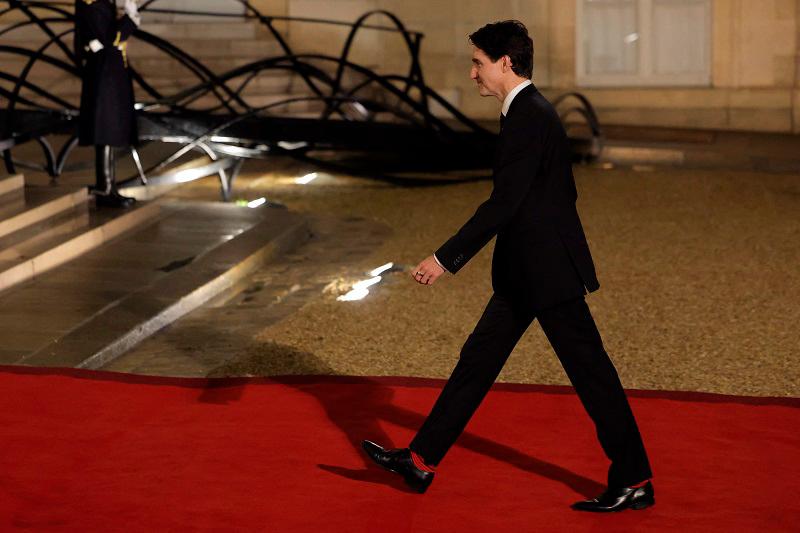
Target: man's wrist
439	262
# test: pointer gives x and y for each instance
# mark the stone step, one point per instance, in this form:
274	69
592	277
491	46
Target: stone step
67	236
40	204
33	241
123	292
11	203
26	241
274	292
11	184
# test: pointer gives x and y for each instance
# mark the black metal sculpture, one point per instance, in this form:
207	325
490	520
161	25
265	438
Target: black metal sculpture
373	124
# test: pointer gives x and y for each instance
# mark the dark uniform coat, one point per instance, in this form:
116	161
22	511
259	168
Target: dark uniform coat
541	257
106	113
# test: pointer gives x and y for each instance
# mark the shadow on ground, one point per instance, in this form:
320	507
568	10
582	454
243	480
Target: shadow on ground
357	411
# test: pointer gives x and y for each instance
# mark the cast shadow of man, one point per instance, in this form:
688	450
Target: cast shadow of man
357	405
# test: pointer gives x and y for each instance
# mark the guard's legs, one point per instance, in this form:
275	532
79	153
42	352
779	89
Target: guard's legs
103	164
105	189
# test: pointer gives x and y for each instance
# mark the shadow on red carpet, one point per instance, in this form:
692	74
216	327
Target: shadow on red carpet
86	450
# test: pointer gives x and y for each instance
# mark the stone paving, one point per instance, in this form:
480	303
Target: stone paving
698	272
182	255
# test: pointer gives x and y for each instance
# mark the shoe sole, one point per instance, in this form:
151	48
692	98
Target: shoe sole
420	490
636	506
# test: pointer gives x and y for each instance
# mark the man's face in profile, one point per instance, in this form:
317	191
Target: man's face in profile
487	74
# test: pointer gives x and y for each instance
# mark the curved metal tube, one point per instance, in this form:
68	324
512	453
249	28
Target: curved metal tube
415	71
413	96
49	156
197	68
24	74
34	88
591	116
32	16
64	153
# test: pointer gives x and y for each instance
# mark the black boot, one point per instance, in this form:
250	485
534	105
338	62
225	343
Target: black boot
105	188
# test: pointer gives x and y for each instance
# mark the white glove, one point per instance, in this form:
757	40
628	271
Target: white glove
95	45
132	10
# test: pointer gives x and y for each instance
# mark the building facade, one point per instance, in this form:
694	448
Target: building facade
724	64
705	64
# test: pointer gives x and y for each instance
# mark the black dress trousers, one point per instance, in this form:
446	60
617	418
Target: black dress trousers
574	337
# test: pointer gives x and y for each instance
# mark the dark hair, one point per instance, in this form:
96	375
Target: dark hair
508	37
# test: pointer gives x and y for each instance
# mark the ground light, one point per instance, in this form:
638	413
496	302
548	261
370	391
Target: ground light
256	203
383	268
359	290
308	178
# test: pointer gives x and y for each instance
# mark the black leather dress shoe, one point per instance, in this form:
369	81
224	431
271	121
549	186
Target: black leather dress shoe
619	499
112	199
399	460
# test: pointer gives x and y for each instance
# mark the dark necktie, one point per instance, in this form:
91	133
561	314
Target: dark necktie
502	119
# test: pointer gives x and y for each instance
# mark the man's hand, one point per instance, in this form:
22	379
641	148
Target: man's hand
427	271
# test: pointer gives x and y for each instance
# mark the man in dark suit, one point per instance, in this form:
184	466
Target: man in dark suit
541	268
107	119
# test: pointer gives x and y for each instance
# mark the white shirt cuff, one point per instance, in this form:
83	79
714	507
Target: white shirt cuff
132	10
439	262
95	45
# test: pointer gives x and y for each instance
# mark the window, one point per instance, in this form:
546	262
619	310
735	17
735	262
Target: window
643	42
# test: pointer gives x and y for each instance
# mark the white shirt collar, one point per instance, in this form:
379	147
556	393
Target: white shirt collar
510	96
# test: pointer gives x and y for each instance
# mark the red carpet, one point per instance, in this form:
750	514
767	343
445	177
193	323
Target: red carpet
93	451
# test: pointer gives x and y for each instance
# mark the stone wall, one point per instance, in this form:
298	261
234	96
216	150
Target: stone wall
755	49
755	54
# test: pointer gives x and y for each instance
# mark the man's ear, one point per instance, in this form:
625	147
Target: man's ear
507	64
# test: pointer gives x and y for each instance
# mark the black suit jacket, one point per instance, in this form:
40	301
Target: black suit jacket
541	256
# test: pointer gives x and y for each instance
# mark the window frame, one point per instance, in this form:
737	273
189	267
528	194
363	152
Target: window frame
646	77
